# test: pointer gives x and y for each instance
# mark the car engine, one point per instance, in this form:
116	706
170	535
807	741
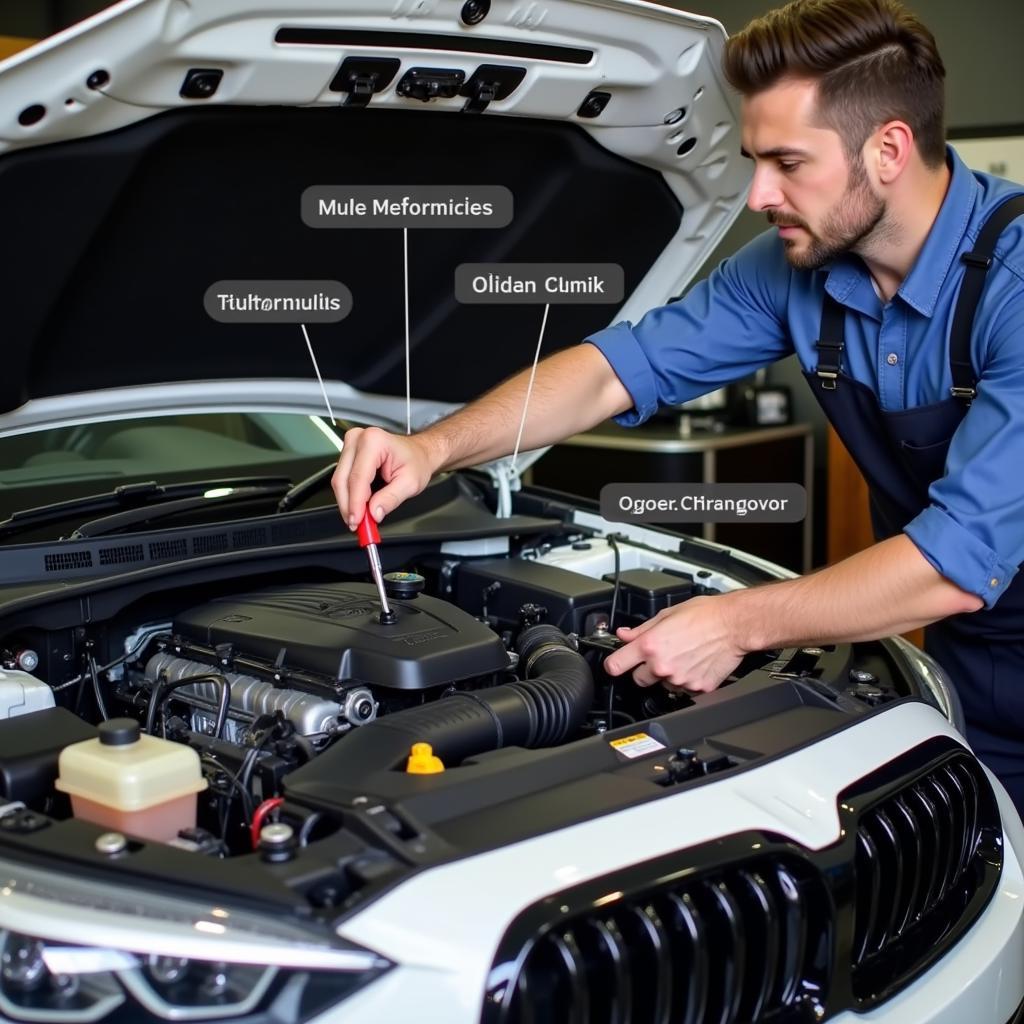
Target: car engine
297	696
320	655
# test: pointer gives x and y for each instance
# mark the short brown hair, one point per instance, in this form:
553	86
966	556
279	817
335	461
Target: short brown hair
873	60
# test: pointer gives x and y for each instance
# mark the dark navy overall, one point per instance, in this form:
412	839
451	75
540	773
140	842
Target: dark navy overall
900	454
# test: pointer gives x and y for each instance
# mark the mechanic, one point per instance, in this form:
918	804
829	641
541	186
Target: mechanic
876	272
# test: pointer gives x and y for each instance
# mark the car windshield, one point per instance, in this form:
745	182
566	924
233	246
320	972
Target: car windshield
54	465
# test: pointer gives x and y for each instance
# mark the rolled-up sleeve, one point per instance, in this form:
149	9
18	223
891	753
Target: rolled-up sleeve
972	532
724	328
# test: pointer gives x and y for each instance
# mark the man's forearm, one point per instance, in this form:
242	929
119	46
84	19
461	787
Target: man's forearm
573	391
888	588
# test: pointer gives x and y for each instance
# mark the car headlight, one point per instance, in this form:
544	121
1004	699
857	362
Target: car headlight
71	952
933	679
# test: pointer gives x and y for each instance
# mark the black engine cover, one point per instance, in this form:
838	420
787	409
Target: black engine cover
334	630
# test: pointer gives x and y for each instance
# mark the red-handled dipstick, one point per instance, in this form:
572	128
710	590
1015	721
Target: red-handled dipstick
369	538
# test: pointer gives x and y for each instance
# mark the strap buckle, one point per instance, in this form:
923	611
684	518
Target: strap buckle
828	379
969	393
973	259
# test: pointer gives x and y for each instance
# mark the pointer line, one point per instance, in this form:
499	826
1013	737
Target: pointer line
529	387
408	388
323	390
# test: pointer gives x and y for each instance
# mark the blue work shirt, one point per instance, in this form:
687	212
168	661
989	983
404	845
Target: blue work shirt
755	309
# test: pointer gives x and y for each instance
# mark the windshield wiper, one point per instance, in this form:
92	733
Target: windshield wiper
130	496
304	488
134	516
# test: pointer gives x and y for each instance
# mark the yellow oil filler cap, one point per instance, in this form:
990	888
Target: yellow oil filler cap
422	760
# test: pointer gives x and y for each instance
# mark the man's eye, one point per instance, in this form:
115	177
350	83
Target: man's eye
788	167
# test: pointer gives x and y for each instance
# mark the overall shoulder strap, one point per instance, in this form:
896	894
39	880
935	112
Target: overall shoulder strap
830	343
978	261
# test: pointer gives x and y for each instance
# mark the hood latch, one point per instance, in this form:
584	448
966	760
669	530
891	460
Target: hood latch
488	83
361	77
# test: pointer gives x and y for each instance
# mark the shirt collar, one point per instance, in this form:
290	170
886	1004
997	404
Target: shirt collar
920	288
849	283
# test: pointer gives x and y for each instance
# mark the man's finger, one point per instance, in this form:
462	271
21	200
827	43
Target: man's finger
671	687
388	498
369	456
624	659
643	676
339	482
629	633
700	685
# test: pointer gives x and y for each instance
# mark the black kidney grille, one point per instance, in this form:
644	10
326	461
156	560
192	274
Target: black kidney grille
755	929
922	856
732	946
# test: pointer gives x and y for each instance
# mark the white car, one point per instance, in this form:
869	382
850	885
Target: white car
210	804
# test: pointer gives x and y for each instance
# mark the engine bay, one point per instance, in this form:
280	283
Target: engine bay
261	682
326	741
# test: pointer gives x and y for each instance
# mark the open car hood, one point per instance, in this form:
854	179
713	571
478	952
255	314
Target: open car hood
124	201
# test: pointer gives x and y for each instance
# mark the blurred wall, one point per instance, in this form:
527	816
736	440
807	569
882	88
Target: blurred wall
38	18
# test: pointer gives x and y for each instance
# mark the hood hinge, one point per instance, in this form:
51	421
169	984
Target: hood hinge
507	477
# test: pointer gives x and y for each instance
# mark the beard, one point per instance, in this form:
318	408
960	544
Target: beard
848	224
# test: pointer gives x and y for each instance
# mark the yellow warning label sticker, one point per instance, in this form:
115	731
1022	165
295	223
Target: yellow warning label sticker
637	745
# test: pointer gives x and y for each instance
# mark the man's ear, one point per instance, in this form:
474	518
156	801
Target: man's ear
889	149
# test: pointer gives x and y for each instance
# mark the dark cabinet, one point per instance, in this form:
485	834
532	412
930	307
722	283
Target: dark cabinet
658	453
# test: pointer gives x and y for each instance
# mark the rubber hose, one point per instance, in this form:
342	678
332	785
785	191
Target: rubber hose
541	711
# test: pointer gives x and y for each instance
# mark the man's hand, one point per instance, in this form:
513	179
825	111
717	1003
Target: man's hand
404	462
688	647
887	588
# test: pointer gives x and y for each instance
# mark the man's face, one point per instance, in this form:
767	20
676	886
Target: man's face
822	204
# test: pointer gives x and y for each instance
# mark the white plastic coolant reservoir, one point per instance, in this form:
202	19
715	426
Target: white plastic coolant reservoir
141	785
21	694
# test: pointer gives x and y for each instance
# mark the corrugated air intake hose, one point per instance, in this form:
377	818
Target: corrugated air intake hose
544	709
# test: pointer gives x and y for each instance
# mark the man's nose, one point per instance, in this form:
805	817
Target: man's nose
765	193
